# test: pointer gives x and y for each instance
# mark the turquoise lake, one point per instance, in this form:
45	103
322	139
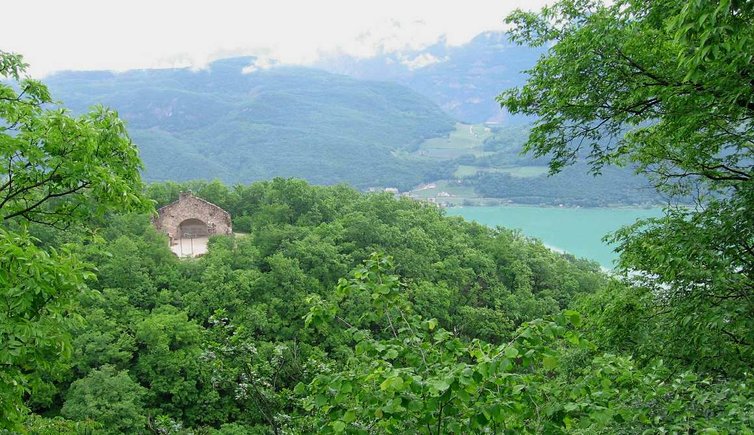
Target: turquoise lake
578	231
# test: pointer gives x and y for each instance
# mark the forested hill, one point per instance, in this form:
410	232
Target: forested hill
217	345
239	127
336	311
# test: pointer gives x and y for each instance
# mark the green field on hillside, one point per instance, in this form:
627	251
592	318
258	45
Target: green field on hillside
466	139
465	171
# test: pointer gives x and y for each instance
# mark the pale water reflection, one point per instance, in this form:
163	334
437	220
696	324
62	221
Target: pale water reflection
578	231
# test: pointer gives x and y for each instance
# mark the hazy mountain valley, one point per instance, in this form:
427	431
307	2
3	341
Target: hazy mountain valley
400	132
255	247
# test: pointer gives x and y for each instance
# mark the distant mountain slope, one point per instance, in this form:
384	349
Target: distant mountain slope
463	80
222	123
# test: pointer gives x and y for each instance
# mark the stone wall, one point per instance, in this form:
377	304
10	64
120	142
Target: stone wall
187	207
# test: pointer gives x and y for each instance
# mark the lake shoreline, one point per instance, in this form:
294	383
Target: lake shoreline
575	230
617	207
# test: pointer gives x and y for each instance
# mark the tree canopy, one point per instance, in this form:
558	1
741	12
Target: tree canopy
663	84
668	87
57	170
341	312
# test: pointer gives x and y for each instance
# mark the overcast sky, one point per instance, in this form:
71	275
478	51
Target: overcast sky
58	35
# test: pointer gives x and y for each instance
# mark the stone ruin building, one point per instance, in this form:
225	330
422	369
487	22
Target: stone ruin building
189	222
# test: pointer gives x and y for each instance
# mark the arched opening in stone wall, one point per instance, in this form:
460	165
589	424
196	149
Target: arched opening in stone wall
190	222
192	228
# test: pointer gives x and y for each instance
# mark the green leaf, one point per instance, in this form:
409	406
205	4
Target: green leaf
391	354
393	383
431	324
320	400
349	416
439	385
550	362
573	317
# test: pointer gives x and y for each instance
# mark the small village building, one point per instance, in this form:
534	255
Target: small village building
189	222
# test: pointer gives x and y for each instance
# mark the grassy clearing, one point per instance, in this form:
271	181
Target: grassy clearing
465	139
465	171
465	136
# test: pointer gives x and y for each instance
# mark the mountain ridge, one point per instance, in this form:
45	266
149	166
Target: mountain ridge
285	121
463	80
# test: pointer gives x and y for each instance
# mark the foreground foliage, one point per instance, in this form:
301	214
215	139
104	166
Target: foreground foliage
667	87
335	311
297	326
59	171
222	339
547	379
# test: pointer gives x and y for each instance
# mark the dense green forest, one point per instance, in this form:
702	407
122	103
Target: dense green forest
223	339
335	311
297	325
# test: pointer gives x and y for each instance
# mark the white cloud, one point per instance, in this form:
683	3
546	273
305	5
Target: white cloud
421	61
94	34
259	63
